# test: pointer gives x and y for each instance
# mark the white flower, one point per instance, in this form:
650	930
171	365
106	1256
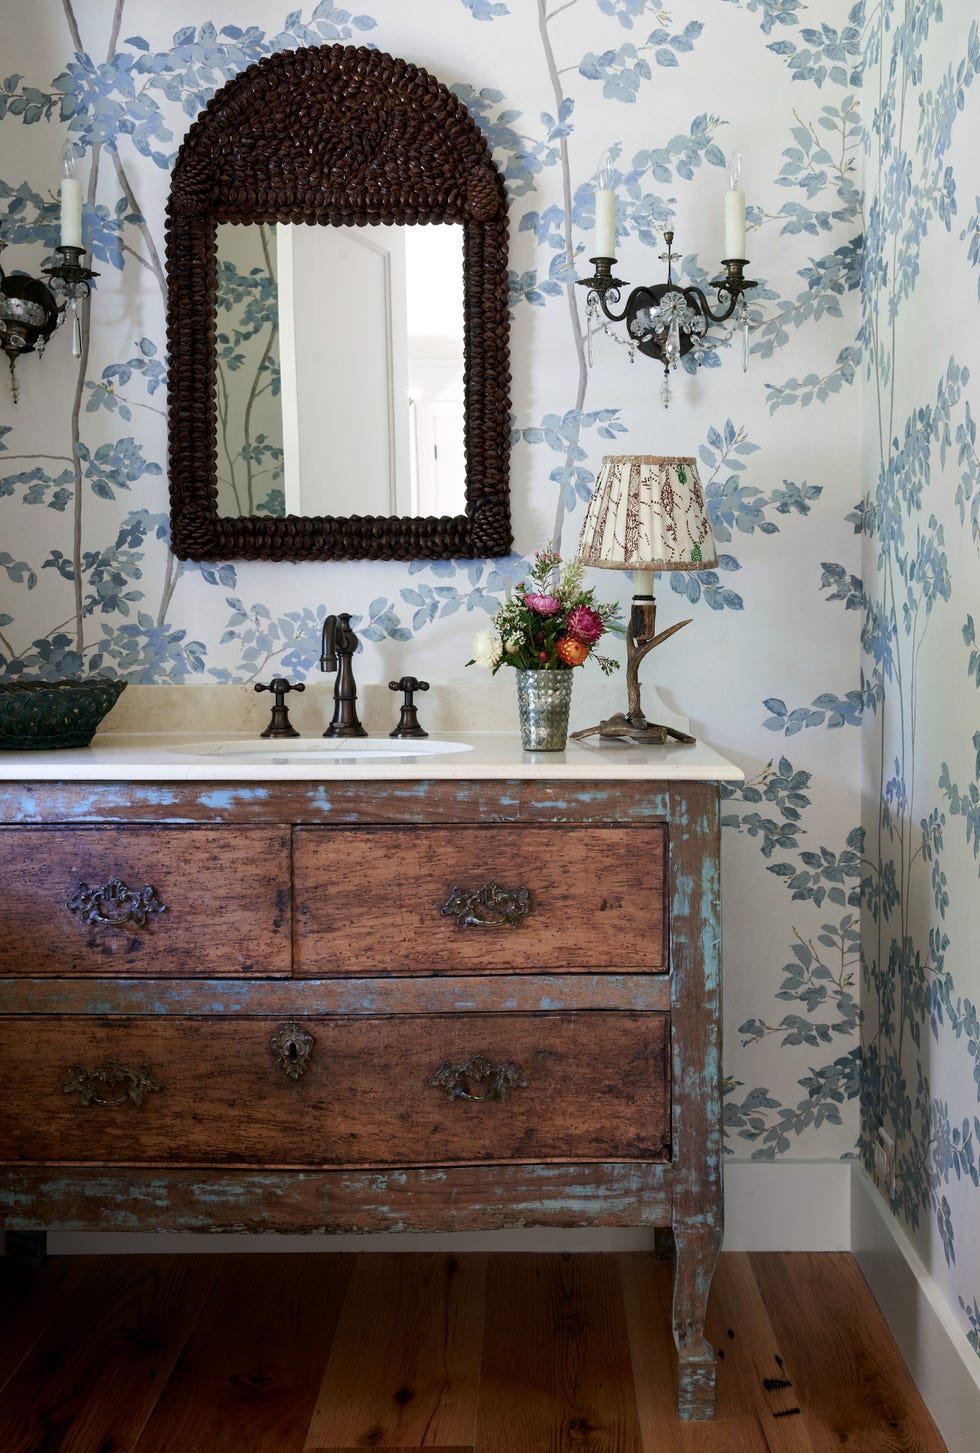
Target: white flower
512	647
487	649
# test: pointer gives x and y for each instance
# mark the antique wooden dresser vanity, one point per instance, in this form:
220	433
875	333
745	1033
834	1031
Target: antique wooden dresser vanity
431	998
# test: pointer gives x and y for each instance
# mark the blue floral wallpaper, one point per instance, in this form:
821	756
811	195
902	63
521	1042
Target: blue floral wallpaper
917	605
840	470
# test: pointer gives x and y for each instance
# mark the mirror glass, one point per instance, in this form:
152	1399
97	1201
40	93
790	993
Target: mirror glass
334	399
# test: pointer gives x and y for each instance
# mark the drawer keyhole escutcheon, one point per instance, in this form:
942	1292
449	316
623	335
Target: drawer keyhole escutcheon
497	1080
115	904
292	1046
89	1085
488	907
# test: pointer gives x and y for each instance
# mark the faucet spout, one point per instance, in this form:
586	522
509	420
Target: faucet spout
337	646
328	652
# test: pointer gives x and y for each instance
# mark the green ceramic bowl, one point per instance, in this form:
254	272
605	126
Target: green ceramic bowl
38	715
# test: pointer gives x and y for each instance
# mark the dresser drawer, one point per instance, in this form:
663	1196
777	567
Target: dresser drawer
172	902
382	901
377	1090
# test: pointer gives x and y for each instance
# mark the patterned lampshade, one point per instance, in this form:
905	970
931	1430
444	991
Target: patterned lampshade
648	513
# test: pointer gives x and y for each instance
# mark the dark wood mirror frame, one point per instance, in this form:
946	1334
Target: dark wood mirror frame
335	135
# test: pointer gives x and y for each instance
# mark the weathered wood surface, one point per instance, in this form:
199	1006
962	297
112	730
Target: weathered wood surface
369	902
475	993
453	1198
695	917
336	803
606	998
597	1088
225	897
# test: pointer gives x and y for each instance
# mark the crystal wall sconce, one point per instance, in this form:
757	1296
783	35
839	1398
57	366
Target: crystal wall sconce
30	309
664	320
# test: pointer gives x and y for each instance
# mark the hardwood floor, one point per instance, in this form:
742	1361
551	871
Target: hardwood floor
276	1353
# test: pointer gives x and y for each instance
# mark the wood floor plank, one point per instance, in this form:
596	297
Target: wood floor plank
758	1383
404	1368
93	1376
850	1381
507	1354
249	1373
556	1365
30	1298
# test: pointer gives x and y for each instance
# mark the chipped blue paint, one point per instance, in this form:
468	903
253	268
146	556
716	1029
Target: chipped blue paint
129	998
226	799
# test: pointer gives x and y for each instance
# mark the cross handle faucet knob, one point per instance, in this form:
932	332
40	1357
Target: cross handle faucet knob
279	724
408	721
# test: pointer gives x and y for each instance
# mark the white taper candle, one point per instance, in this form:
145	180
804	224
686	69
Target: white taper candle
735	213
605	223
71	212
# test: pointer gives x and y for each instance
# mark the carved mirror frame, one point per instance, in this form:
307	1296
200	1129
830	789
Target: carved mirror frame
335	135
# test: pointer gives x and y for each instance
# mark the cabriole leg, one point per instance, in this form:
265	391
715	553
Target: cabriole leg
696	1255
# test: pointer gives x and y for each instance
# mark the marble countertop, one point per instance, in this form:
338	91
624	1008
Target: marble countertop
243	757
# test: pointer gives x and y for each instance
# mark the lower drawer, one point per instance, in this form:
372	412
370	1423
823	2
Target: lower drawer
360	1091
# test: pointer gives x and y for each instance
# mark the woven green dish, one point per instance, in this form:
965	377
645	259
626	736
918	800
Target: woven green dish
38	715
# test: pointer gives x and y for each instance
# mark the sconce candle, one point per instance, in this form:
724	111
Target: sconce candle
735	212
605	223
605	210
71	205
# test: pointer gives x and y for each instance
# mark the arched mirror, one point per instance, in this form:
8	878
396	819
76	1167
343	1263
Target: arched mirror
337	319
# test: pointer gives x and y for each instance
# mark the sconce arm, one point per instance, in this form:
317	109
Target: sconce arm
641	297
731	286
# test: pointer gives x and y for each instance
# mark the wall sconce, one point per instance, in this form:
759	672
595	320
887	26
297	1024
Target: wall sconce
664	320
647	513
30	310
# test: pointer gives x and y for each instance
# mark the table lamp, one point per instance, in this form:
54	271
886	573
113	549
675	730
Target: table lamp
647	513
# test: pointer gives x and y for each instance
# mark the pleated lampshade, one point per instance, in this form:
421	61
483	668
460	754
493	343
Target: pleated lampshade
648	513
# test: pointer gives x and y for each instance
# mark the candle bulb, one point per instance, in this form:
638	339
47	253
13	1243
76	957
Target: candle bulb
605	209
735	213
71	202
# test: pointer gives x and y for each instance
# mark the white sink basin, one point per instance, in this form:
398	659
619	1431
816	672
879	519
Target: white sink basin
328	749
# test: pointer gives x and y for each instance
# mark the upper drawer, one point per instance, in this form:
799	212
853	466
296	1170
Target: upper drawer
438	900
144	900
369	1090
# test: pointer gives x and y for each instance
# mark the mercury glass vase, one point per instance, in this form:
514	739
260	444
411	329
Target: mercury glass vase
543	700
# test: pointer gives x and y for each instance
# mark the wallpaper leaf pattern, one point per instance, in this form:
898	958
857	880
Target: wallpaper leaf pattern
921	1074
845	944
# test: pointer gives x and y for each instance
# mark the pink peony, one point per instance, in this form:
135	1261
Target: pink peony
584	625
542	605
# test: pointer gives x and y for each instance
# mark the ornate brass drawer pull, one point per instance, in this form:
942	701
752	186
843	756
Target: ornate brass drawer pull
488	907
292	1046
498	1079
115	904
88	1084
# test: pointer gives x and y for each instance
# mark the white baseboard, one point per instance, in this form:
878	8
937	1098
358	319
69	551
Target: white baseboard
773	1205
942	1365
531	1238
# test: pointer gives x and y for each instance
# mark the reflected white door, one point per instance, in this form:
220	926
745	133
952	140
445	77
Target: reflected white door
344	370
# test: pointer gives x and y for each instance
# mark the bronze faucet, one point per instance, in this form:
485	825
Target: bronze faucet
338	644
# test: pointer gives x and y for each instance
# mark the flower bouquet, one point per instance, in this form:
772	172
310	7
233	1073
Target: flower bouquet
548	627
549	624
